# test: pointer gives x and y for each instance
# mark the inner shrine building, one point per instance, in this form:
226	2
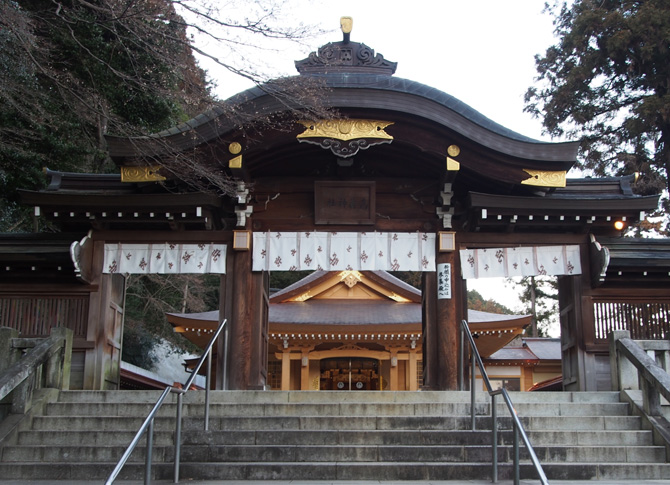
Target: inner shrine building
397	176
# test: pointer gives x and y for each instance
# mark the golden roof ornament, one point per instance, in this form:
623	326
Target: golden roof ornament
346	24
345	56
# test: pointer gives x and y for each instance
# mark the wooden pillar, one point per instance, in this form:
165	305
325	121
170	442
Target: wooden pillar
448	315
412	374
258	358
304	370
526	378
241	315
286	370
95	328
429	328
393	374
246	309
223	346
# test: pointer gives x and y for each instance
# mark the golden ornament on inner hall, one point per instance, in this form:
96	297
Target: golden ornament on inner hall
453	150
234	148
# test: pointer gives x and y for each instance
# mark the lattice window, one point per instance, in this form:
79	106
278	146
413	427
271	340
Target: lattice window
419	373
645	320
274	374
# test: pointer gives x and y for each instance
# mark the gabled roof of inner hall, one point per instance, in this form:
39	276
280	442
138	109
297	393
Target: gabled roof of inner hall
355	301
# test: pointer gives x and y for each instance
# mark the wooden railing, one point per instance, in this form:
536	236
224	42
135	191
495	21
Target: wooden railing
645	320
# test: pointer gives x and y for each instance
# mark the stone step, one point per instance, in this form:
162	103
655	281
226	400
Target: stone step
395	471
590	438
399	471
419	453
339	409
68	472
328	397
127	423
89	438
414	437
326	453
270	435
73	453
340	437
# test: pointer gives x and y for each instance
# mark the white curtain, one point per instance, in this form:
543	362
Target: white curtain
522	261
331	251
165	258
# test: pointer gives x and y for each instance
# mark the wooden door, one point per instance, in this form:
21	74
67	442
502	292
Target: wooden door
111	360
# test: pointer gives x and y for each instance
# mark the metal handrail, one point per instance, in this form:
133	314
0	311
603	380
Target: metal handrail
180	396
148	425
518	427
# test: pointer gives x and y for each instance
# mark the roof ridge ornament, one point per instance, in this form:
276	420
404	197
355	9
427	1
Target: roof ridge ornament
345	137
346	24
345	56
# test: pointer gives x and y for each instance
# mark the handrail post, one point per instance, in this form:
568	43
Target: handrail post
149	454
177	438
516	454
208	384
225	361
473	382
518	427
149	421
494	438
461	362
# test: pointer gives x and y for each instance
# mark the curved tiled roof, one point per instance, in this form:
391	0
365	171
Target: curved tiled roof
372	91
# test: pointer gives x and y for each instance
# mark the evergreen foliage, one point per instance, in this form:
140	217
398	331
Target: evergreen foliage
606	82
149	298
71	72
539	296
476	302
74	71
281	279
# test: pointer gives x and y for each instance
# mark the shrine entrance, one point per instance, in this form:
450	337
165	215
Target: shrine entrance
405	178
350	374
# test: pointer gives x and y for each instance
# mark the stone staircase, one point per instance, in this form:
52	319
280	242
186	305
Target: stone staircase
331	435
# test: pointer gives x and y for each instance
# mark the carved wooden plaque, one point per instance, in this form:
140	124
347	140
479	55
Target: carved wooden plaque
344	203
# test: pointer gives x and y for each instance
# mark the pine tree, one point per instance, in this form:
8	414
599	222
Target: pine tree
539	296
606	82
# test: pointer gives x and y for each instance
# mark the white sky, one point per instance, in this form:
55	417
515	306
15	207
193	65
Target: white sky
481	52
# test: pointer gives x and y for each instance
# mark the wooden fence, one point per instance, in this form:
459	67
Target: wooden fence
645	320
35	316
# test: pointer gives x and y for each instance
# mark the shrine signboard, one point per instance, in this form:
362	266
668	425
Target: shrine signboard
344	202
